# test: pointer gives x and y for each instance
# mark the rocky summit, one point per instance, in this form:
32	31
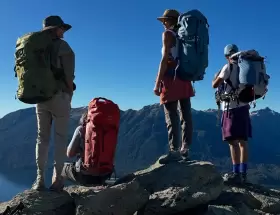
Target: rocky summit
194	187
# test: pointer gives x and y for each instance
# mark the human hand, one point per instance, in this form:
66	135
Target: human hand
156	91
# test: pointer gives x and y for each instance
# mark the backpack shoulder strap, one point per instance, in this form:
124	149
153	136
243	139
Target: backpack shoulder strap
228	81
173	32
56	46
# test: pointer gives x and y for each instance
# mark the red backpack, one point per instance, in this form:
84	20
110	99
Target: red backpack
101	136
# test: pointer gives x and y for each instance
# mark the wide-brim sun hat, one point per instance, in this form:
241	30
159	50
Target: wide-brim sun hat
169	14
52	22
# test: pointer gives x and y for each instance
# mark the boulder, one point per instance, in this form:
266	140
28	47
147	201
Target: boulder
178	186
123	199
42	203
256	197
230	210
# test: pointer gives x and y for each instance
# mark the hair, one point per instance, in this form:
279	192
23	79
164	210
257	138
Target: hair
53	32
176	27
83	119
174	23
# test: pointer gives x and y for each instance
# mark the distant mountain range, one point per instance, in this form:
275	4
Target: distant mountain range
143	138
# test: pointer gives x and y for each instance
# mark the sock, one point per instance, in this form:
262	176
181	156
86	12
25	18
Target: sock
243	167
236	168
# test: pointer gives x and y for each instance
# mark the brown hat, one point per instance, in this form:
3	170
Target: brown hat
55	22
169	14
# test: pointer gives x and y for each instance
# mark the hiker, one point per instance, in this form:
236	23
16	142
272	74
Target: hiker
57	108
95	159
236	122
174	92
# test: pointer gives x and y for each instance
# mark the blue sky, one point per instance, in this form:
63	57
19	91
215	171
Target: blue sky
117	45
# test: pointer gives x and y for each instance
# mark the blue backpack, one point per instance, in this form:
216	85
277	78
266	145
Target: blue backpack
193	39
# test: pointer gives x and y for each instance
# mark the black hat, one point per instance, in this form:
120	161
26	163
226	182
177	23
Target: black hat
55	22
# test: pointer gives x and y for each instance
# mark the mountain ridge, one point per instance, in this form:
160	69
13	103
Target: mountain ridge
143	138
82	108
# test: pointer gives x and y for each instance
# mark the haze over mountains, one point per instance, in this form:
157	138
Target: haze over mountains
143	138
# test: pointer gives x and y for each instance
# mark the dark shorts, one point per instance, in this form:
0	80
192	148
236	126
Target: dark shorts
236	124
69	173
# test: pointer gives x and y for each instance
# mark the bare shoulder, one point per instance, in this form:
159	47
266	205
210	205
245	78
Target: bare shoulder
167	35
167	39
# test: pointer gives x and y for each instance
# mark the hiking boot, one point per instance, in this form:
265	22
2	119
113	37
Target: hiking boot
243	177
232	178
57	184
39	184
185	154
172	156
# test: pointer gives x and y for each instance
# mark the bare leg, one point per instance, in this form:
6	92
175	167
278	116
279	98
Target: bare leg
234	177
234	152
243	146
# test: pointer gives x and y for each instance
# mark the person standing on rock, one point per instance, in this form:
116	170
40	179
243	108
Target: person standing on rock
57	109
174	93
236	121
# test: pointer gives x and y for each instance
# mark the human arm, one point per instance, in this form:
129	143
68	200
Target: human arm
167	41
67	58
74	147
220	77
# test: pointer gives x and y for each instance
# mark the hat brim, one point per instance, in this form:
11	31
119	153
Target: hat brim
65	26
162	18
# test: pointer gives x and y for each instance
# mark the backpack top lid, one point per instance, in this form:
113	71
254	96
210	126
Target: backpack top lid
187	24
190	14
193	12
249	54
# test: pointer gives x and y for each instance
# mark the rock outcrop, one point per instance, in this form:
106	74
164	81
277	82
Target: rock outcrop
177	188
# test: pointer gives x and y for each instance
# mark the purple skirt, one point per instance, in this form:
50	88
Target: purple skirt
236	124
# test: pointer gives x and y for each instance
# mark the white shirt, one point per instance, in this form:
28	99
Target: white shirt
233	77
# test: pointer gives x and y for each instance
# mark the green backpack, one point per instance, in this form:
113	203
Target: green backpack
37	81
